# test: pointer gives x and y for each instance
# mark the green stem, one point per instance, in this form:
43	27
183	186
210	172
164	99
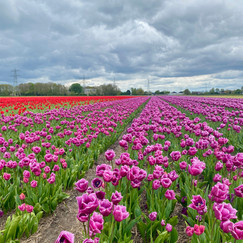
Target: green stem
112	229
85	233
151	234
120	230
213	229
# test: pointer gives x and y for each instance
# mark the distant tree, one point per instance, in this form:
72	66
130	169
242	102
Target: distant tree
128	92
6	90
76	88
212	91
108	89
237	91
217	90
138	91
187	92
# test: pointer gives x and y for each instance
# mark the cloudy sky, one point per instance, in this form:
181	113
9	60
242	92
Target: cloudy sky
195	44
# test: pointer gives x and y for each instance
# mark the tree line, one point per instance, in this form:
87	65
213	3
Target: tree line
53	89
214	91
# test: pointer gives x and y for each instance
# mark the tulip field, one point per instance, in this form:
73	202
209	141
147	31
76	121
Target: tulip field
177	152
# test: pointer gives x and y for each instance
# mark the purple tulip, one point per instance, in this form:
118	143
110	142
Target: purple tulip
153	216
237	231
29	208
227	226
224	211
81	185
6	176
22	207
96	223
110	155
239	191
199	204
105	207
170	194
90	190
95	240
175	155
156	184
168	227
124	170
219	192
183	165
101	168
116	197
189	231
166	182
33	183
87	203
217	178
96	183
65	237
195	169
162	222
107	175
120	213
82	217
100	195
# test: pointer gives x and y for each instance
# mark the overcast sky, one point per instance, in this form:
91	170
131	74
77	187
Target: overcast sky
195	44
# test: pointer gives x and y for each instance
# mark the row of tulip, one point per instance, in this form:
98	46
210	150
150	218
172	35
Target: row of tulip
169	158
43	154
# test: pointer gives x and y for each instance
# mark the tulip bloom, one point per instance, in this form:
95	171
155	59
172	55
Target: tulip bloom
224	211
189	230
237	231
6	176
87	203
81	185
153	216
219	192
168	227
199	229
120	213
199	204
96	223
65	237
170	194
105	207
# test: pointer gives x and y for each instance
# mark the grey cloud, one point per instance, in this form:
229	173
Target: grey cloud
177	43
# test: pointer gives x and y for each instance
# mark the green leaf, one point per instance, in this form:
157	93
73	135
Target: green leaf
11	233
54	204
34	224
46	207
162	237
174	236
131	224
173	221
137	211
142	227
39	215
